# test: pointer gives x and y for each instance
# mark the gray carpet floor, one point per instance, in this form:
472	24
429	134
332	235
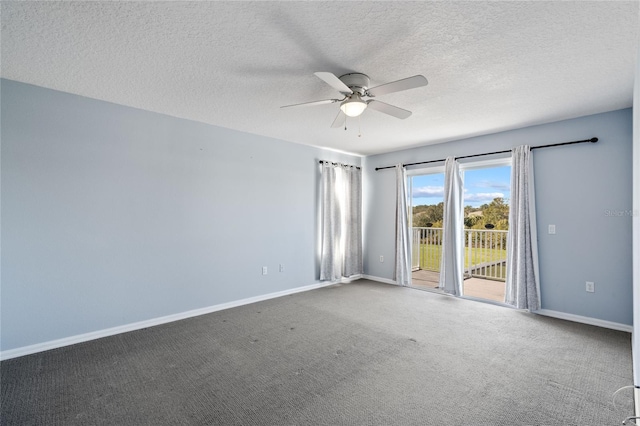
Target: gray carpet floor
358	354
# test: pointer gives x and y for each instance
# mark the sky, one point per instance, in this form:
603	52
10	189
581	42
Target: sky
481	186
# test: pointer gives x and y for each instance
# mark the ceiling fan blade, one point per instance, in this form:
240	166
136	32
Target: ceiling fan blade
399	85
389	109
334	82
323	102
339	120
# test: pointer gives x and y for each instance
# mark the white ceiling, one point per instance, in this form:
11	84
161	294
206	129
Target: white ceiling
491	66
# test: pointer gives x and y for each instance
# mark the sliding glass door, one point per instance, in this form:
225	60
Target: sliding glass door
485	224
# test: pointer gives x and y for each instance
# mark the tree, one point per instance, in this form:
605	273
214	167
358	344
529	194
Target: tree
422	215
495	213
470	221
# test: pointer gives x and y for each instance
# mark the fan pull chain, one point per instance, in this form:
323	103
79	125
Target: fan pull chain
359	132
345	123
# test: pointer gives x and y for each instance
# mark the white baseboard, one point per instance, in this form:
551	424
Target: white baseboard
347	280
546	312
53	344
585	320
71	340
378	279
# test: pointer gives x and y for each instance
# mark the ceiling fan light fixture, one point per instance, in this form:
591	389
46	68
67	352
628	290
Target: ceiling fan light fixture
354	106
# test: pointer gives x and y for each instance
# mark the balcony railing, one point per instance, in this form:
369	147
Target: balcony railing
485	252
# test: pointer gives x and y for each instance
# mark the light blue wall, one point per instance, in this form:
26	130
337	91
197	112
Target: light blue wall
575	188
113	215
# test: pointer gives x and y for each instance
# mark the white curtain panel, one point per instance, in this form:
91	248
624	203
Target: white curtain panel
352	255
452	260
522	286
330	259
403	242
341	221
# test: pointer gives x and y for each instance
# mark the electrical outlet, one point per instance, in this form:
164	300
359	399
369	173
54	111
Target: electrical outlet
264	270
591	287
381	259
281	267
552	229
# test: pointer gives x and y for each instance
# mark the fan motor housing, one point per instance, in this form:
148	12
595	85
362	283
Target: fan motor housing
357	82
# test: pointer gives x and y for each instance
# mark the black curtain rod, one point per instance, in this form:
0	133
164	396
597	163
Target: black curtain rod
339	164
592	140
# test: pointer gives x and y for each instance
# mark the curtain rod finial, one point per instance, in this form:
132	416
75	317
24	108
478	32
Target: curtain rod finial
593	140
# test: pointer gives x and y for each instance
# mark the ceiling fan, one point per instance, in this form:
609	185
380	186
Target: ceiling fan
354	87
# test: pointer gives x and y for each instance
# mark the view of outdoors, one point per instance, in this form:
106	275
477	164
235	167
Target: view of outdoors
486	221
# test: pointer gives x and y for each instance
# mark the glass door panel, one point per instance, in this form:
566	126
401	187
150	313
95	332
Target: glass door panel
426	212
486	223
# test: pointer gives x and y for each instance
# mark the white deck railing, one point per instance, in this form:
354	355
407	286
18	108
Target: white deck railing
485	251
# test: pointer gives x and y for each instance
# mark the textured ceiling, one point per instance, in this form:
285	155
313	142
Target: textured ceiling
491	66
